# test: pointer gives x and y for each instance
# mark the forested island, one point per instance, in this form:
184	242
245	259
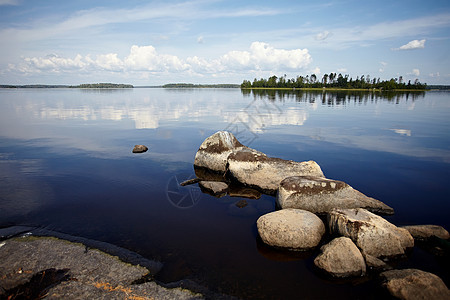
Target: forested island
81	86
103	86
336	81
190	85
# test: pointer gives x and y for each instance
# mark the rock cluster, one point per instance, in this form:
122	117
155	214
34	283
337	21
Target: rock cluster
363	240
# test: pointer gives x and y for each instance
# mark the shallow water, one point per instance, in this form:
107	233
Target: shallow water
66	165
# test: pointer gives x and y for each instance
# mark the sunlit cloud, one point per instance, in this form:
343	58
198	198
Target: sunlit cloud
415	44
415	72
261	56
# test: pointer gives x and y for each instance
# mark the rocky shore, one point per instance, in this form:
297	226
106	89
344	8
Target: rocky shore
362	241
35	267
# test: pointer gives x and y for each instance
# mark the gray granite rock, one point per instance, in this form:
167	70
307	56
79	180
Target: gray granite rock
423	232
321	195
412	284
257	170
214	151
341	258
371	233
291	228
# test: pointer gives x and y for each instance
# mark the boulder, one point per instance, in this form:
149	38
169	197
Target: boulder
214	188
294	229
321	195
376	264
139	149
214	151
257	170
414	284
341	258
424	232
371	233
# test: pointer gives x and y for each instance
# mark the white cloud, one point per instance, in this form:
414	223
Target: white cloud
434	75
260	57
415	44
322	35
342	70
415	72
200	40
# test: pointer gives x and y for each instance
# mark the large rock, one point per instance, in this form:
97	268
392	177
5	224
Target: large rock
214	151
371	233
414	284
423	232
341	258
321	195
255	169
291	228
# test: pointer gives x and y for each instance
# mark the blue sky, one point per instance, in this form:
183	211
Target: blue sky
157	42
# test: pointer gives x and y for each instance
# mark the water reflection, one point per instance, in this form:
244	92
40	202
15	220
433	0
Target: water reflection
333	97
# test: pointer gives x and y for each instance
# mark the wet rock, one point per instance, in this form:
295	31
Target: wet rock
140	149
424	232
321	195
214	188
73	271
291	228
414	284
371	233
341	258
214	151
255	169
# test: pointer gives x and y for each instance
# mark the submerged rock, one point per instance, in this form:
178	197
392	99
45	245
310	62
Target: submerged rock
291	228
321	195
139	149
214	151
215	188
414	284
341	258
371	233
255	169
424	232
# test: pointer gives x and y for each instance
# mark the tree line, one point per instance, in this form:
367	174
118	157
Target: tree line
334	80
103	86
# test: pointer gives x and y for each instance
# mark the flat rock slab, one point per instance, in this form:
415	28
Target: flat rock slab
414	284
257	170
291	228
214	151
371	233
75	272
424	232
341	258
321	195
214	188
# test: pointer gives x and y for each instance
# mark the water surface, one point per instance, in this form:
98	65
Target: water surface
66	165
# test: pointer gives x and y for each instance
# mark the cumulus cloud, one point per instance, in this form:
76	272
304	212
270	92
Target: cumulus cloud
415	44
383	65
200	40
260	57
342	70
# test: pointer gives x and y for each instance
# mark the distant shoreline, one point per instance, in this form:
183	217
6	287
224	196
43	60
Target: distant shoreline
198	86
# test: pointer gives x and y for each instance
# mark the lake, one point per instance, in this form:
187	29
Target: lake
66	165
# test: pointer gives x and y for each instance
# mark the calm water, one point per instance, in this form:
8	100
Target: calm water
66	165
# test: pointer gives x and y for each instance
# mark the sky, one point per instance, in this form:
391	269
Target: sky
207	41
